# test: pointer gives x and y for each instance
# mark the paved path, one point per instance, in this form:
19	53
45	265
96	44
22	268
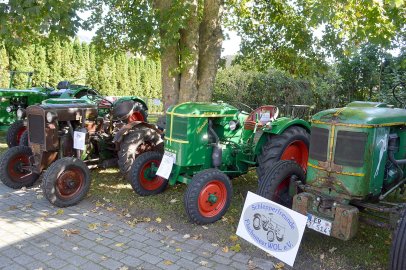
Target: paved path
36	235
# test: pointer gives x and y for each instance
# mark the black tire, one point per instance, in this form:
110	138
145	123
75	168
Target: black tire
14	133
66	182
139	140
200	183
273	186
270	236
275	147
398	249
256	222
152	184
24	139
11	173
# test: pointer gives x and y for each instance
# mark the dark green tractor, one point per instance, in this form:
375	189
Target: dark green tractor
206	144
356	162
13	103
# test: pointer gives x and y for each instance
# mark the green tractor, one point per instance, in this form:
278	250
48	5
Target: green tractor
66	137
13	103
206	144
357	157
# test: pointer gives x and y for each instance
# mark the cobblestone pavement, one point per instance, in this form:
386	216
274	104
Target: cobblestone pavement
36	235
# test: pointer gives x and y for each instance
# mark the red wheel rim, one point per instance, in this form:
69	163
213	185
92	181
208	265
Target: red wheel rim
148	179
15	169
70	182
207	206
20	133
298	152
136	116
282	188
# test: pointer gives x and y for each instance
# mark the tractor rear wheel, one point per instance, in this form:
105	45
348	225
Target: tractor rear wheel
24	139
292	144
143	176
398	249
208	196
66	182
275	185
14	133
12	171
139	140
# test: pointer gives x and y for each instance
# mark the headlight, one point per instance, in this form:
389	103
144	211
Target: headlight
21	113
51	117
3	99
9	109
233	125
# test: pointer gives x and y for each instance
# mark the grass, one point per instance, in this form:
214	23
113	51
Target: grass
370	248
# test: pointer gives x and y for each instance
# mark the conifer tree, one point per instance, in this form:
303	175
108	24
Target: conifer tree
54	59
92	73
67	70
22	58
122	73
40	66
4	67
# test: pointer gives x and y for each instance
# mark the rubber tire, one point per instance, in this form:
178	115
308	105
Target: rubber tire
11	137
128	148
280	171
4	174
398	248
53	172
191	195
275	146
135	170
24	139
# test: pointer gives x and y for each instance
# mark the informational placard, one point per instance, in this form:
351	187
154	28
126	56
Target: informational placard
165	168
156	101
79	140
272	227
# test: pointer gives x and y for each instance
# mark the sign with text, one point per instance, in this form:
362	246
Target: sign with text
272	227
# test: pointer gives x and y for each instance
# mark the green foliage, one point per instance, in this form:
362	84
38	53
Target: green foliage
4	67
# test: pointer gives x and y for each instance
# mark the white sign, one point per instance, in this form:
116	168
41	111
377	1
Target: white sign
165	168
272	227
79	140
156	102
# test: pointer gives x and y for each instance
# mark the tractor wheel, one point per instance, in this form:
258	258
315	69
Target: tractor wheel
143	179
398	249
139	113
275	185
66	182
139	140
12	173
270	236
292	144
256	222
14	133
208	196
24	139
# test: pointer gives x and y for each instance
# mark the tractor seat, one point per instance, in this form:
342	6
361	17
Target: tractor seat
261	116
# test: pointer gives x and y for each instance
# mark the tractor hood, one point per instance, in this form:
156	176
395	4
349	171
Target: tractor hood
202	109
362	113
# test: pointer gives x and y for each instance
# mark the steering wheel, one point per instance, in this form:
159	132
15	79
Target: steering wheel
400	85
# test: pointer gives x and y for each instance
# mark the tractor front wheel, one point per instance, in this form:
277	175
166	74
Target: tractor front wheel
275	185
292	144
14	133
14	168
208	196
24	139
143	178
66	182
139	140
398	249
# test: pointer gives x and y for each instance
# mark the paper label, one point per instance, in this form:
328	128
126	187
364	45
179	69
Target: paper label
79	140
165	168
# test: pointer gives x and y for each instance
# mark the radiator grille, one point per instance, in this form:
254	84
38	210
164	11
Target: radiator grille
319	144
350	148
36	129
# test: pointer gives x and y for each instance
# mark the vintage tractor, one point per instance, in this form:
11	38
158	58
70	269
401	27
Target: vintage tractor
357	158
67	137
206	144
15	101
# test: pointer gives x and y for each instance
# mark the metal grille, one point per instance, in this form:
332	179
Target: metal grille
350	148
36	129
319	143
179	128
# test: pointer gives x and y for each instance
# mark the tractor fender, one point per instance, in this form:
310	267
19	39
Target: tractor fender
134	98
124	130
277	127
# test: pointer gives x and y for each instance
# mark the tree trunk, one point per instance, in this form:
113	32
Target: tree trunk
189	43
211	39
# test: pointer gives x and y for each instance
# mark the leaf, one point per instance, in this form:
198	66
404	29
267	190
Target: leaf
279	265
331	250
75	248
236	248
203	263
146	219
178	250
99	204
110	209
169	227
98	239
205	227
123	268
92	226
119	244
59	212
173	201
234	238
168	262
215	244
186	236
225	249
69	232
103	258
197	237
158	219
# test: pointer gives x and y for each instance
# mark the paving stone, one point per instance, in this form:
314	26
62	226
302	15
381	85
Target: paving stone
111	264
131	261
220	259
56	263
154	259
241	258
